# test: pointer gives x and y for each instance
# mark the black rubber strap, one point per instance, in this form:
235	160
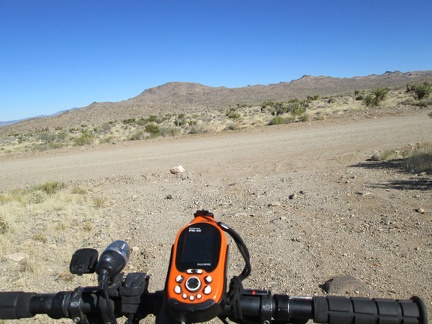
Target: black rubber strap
236	287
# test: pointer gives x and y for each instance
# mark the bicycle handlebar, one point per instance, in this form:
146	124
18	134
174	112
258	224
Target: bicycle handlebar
83	304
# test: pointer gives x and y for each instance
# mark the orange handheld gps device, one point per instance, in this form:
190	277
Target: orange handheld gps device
196	280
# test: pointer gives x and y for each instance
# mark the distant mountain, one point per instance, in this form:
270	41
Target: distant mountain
190	98
11	122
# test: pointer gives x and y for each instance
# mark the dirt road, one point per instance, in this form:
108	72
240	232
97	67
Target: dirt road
267	149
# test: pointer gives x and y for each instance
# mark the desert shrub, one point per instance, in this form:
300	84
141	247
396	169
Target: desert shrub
152	119
232	114
87	226
381	93
129	121
152	129
137	136
4	225
304	117
85	138
66	277
106	127
49	146
100	202
47	137
267	103
376	97
233	126
198	129
108	139
420	160
142	121
423	103
18	195
277	120
296	109
62	136
368	100
78	191
180	120
169	131
280	108
37	197
50	188
312	98
388	154
40	237
422	91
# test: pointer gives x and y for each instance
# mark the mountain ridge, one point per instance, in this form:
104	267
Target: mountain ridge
177	97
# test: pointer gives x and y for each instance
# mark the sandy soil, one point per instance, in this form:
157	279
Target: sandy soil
347	215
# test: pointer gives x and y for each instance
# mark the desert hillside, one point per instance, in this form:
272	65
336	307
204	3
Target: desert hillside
183	97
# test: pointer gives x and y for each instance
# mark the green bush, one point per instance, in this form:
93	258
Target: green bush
280	108
233	114
422	91
85	138
47	137
129	121
376	97
151	119
152	129
312	98
297	109
180	120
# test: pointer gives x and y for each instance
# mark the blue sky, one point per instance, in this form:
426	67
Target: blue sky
60	54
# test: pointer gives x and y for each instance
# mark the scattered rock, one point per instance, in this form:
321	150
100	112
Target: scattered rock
360	193
375	157
346	284
169	196
292	196
16	257
420	210
274	204
177	169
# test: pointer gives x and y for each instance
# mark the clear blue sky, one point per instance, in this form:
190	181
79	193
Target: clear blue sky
60	54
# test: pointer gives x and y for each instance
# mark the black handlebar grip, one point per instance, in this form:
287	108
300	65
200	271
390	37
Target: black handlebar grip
341	310
15	305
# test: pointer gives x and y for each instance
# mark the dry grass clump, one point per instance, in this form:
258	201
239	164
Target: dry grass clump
45	224
413	158
421	159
